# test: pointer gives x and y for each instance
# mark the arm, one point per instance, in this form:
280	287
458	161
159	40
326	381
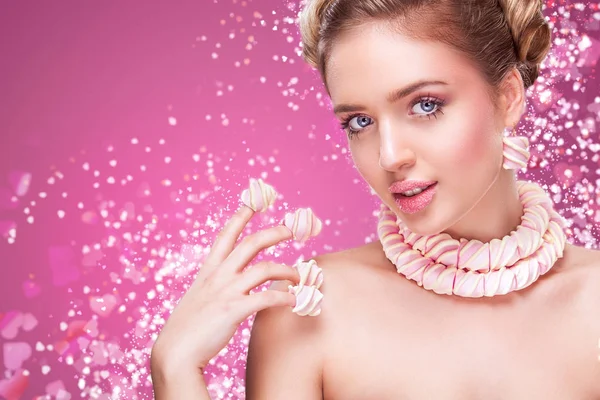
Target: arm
284	355
182	386
284	361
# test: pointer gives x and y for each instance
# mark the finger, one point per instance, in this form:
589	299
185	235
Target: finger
252	244
256	302
265	271
228	236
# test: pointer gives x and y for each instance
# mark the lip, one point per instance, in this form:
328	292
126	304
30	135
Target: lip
414	204
404	186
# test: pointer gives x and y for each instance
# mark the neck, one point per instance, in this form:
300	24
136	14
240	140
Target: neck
500	208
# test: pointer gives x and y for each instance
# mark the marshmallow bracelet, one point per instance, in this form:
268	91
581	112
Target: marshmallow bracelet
303	224
470	268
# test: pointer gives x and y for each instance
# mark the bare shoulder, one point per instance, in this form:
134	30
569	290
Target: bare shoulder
580	262
284	355
286	351
341	271
347	271
577	280
356	282
592	258
366	255
587	264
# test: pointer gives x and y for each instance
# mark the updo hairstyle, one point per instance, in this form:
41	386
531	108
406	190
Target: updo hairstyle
496	35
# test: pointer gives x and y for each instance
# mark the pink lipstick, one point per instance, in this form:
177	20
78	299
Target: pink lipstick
413	196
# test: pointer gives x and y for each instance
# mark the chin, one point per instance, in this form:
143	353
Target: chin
423	227
430	221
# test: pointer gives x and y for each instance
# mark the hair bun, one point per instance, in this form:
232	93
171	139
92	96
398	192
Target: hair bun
311	17
531	35
535	43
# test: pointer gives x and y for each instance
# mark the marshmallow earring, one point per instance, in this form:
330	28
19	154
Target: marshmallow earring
515	151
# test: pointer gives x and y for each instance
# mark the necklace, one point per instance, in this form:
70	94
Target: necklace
470	268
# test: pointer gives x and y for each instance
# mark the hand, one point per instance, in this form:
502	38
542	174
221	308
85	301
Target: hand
219	299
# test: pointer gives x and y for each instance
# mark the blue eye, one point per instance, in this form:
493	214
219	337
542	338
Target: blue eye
430	105
355	123
427	106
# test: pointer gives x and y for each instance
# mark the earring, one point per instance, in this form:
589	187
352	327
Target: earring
515	151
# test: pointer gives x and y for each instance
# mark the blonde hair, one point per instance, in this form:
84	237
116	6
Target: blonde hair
497	35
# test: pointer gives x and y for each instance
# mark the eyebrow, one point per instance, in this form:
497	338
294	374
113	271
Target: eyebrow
392	97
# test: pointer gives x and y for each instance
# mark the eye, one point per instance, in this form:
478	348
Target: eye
430	105
353	124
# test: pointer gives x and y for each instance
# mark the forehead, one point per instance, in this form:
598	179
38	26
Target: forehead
375	59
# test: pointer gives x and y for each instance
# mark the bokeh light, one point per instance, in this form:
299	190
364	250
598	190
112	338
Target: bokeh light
128	134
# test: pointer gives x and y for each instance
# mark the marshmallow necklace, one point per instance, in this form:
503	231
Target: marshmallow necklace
470	268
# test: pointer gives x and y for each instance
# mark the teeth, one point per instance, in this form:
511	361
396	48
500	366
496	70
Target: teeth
411	193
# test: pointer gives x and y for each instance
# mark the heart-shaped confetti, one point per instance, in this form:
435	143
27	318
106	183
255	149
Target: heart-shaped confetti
13	388
15	354
103	305
567	174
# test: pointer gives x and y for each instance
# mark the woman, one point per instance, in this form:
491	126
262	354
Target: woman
502	308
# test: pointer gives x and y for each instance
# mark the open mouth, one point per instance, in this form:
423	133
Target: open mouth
415	200
415	192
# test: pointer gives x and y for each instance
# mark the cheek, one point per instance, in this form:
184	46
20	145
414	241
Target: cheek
365	156
476	146
468	142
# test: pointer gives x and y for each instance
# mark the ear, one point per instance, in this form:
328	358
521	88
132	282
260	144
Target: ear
512	98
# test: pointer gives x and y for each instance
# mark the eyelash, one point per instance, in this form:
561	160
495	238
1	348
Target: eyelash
439	104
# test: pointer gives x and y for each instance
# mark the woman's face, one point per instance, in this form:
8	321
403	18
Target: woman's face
416	111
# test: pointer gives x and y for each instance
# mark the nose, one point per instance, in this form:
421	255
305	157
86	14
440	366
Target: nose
394	153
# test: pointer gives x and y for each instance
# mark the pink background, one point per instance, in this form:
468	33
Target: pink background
128	131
